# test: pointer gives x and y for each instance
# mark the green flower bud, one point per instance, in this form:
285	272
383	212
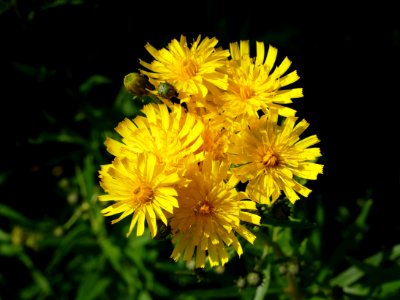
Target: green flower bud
241	282
293	268
137	84
167	90
253	278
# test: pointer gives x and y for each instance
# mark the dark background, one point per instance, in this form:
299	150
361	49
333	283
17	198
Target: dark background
347	58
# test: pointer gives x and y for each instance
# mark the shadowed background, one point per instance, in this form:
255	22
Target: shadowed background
348	61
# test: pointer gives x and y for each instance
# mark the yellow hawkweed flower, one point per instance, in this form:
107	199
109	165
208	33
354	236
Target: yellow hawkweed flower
209	215
170	135
255	85
139	187
191	70
216	139
272	157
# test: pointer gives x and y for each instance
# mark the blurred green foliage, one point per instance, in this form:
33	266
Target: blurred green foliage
55	244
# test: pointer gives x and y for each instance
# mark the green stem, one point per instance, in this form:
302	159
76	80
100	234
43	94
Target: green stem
271	243
262	289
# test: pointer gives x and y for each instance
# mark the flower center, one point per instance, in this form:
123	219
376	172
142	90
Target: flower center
143	194
204	208
246	92
270	159
188	68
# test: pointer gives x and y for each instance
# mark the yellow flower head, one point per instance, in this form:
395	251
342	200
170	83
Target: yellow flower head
170	135
140	187
272	158
209	215
191	70
254	83
216	140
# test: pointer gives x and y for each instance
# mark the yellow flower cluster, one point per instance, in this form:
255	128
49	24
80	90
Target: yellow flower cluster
219	122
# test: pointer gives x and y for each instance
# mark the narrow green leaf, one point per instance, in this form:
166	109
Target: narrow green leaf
359	269
92	82
66	244
144	270
10	250
347	277
292	223
4	6
12	214
352	236
144	295
315	235
4	236
218	293
357	290
262	289
112	252
361	220
92	287
395	252
64	136
388	289
126	104
41	282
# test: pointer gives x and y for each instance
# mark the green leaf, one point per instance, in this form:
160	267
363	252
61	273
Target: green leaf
368	267
112	252
352	237
218	293
395	252
144	270
114	255
40	73
41	282
67	244
144	295
92	287
388	289
12	214
162	291
126	104
357	290
347	277
358	270
361	220
292	223
4	236
10	250
315	238
4	6
64	136
262	289
57	3
92	82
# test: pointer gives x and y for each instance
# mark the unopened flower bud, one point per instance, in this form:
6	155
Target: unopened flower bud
219	269
241	282
137	84
58	231
17	236
167	90
253	278
293	268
